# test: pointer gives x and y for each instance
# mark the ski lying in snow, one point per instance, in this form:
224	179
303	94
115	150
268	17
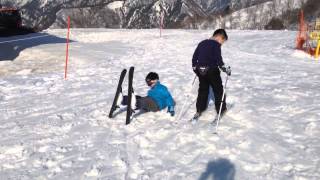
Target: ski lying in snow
115	103
130	94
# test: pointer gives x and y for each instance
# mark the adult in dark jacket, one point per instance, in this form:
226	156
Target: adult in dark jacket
207	63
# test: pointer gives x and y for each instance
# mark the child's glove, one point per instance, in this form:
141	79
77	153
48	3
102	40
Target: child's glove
171	110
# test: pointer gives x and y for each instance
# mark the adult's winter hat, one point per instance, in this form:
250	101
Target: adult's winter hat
152	76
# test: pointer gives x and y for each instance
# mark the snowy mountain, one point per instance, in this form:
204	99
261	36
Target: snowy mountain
239	14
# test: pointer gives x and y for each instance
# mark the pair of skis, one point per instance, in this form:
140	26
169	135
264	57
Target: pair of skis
119	90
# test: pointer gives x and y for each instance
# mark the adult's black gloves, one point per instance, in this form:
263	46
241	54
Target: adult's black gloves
225	69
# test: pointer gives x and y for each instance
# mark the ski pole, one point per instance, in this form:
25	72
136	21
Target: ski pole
223	95
185	102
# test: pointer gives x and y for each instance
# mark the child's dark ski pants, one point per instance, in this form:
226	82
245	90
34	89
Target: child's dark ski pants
210	78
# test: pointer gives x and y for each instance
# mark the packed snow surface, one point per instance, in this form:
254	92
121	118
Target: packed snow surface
51	128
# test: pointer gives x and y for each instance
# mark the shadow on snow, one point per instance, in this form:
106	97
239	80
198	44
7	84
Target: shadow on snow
11	47
220	169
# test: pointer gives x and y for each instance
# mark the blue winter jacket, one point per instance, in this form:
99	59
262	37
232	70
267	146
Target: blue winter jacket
160	94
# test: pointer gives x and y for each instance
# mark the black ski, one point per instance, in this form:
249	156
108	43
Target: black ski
119	90
130	92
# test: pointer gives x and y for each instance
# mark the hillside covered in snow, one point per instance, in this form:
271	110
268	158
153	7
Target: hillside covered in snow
51	128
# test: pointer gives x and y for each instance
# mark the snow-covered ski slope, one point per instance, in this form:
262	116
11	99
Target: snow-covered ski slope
51	128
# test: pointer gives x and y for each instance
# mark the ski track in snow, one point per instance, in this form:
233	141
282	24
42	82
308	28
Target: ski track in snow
53	128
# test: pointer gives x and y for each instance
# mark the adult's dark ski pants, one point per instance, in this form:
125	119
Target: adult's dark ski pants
210	78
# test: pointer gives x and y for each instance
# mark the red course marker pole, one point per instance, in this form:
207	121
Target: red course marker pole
67	50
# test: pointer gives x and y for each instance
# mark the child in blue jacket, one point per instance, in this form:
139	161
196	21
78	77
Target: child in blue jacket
158	97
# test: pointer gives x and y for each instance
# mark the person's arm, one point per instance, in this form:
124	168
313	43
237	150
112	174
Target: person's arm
195	57
170	102
220	62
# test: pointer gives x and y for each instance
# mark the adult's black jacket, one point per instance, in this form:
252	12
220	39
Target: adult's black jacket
208	53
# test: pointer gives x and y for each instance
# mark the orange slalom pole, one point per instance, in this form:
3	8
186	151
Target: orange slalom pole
317	50
67	50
